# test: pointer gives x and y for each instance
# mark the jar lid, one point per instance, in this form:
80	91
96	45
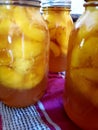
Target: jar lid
57	3
21	2
90	0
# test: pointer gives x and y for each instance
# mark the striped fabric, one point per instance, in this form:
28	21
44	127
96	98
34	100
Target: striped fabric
46	114
21	119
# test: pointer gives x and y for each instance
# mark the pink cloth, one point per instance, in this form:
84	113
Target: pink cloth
47	114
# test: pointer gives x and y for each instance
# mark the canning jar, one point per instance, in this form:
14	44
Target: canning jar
81	87
57	15
24	51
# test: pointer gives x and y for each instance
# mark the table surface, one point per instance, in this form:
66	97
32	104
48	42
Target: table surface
47	114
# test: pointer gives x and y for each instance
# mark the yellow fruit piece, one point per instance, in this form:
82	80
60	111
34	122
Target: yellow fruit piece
81	85
14	31
52	32
32	30
54	48
85	81
37	18
27	49
6	9
5	24
62	37
12	79
9	78
6	57
64	50
58	35
41	65
86	53
37	73
6	18
35	33
88	28
31	80
55	17
20	16
51	19
4	42
23	66
87	73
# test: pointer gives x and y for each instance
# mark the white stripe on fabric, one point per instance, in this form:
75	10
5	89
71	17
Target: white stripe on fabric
21	118
41	106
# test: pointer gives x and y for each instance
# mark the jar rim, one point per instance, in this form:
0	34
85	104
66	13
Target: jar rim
90	3
21	2
56	4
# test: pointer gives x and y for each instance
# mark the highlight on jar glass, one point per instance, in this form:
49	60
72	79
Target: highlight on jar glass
57	15
24	52
81	87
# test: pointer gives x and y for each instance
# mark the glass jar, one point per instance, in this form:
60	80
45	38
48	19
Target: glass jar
81	87
24	52
57	15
